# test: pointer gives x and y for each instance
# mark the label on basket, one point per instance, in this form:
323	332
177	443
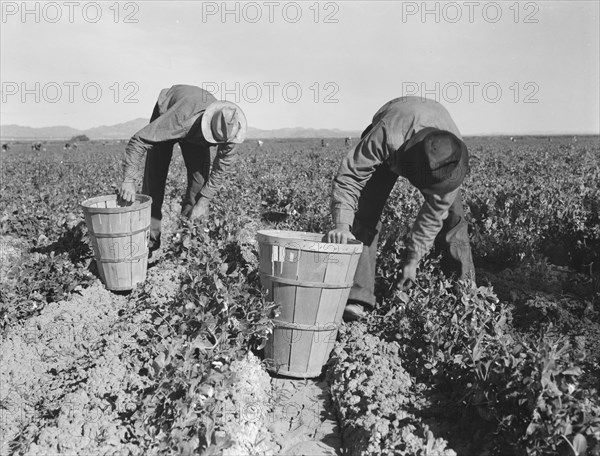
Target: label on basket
291	256
278	253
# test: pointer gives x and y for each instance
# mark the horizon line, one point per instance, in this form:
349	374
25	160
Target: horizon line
310	137
532	133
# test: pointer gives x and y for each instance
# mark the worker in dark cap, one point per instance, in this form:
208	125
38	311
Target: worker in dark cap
195	119
415	138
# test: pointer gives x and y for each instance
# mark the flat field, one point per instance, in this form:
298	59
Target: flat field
510	367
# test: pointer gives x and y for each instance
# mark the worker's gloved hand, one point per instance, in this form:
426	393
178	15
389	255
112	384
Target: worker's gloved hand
409	273
200	210
127	193
339	235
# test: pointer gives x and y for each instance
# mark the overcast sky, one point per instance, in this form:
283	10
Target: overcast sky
498	67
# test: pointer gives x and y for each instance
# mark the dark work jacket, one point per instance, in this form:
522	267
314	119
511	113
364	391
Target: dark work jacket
392	126
178	111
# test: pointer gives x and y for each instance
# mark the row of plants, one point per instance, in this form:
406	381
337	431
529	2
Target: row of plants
177	367
536	200
180	371
515	207
215	319
44	246
452	352
376	399
454	361
505	379
517	376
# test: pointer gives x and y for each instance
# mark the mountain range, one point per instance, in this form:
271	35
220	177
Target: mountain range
127	129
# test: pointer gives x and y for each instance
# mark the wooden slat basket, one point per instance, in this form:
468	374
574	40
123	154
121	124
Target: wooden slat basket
311	281
119	237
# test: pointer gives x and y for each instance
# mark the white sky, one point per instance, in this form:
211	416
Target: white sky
375	51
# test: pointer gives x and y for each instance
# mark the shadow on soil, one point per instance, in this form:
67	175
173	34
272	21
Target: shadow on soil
73	241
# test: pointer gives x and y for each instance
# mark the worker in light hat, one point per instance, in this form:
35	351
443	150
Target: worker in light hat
415	138
195	119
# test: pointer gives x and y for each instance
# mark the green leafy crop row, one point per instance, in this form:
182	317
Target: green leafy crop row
494	389
487	372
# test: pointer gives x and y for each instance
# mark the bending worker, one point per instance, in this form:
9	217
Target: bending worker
414	138
196	120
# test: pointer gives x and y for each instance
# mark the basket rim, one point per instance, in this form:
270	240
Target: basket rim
306	241
144	200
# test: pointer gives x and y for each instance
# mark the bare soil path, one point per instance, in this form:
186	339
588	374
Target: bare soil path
303	419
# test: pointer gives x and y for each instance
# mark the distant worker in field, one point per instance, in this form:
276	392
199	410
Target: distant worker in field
195	119
417	139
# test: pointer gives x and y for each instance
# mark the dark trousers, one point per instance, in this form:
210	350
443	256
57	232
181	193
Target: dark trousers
197	161
452	241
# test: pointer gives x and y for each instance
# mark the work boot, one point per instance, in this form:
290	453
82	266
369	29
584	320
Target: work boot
153	244
355	311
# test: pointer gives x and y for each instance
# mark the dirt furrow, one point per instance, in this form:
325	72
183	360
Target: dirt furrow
302	421
45	359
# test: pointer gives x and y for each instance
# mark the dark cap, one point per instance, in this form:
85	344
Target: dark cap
438	161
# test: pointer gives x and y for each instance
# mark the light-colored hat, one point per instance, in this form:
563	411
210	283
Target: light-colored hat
224	122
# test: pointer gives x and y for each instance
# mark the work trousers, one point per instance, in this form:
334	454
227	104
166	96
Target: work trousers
197	162
452	241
